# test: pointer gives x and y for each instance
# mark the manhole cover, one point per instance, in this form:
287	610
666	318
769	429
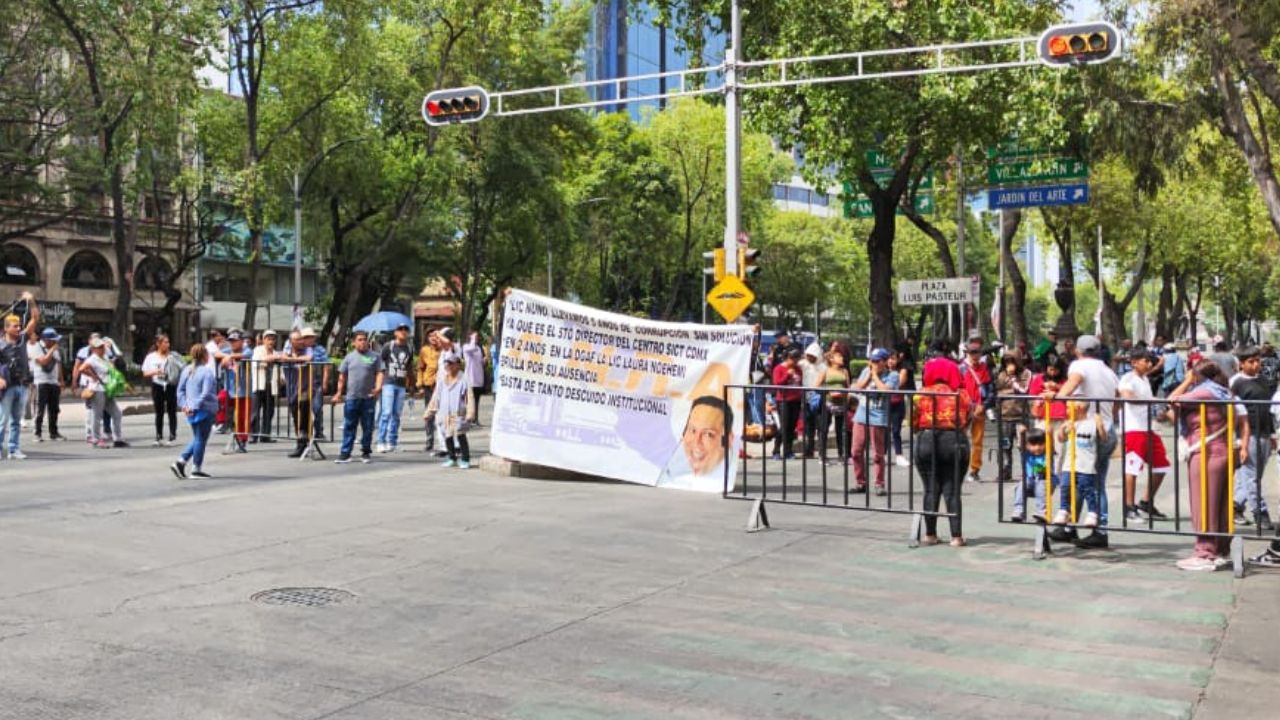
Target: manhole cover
304	596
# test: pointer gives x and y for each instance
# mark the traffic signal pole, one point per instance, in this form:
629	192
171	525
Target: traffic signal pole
732	142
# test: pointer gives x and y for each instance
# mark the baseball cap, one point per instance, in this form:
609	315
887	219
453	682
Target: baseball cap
235	335
96	342
879	355
403	326
307	332
50	334
268	333
1085	343
447	333
452	357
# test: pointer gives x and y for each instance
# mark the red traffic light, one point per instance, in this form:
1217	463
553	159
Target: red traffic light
444	107
1079	44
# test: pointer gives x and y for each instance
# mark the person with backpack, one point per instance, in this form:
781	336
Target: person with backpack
13	389
942	415
103	383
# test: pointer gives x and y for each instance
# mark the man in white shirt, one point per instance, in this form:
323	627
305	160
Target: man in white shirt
1089	377
1142	447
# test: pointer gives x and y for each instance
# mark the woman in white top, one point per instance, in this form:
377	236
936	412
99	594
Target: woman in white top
266	386
162	368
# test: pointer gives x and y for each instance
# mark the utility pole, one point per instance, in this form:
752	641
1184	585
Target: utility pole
297	242
964	309
1000	300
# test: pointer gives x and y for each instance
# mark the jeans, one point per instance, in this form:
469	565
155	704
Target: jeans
12	401
755	406
941	459
813	403
48	398
194	450
389	418
1247	491
897	413
357	410
1034	485
1106	448
1088	493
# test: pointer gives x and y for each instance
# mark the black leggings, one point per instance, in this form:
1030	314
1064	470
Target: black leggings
165	400
789	414
458	445
942	457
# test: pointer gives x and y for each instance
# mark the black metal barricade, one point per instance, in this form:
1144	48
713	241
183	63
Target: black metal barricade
825	472
279	400
1210	473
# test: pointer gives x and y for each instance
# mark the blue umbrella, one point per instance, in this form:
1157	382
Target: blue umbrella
383	322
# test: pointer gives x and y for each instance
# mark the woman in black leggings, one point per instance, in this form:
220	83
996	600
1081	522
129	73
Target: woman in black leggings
160	368
940	420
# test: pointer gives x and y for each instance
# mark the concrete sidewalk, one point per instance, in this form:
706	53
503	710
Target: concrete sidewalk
125	593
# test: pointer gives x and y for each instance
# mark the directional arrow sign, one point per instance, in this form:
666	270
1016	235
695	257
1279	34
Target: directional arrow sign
860	207
1077	194
730	297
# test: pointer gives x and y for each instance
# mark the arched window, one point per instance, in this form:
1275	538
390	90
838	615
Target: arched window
18	266
87	270
151	274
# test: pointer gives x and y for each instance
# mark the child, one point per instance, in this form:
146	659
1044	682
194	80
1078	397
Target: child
1081	456
455	404
1033	469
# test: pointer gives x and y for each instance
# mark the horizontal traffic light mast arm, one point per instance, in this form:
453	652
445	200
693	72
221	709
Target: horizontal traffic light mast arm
941	59
552	97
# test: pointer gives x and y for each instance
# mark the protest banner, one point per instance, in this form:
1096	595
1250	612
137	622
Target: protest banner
615	396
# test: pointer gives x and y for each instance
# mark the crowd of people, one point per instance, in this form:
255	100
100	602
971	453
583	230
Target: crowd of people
1065	407
237	384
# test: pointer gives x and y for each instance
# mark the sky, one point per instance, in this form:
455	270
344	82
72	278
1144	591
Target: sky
1082	10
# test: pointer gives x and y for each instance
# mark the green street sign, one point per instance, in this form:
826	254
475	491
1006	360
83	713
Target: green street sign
1011	150
860	207
1051	168
878	160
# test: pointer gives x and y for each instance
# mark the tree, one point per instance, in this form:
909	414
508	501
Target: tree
809	265
915	122
139	75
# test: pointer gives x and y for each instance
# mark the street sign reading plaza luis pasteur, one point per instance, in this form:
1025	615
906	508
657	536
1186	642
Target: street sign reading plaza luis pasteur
942	291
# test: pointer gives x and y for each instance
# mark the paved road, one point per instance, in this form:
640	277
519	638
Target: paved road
125	593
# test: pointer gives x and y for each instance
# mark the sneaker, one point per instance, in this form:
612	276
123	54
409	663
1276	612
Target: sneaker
102	445
39	438
464	465
972	477
17	455
1018	516
1090	520
775	456
1263	521
1131	514
880	491
393	448
57	436
1061	534
157	443
1268	558
342	460
380	448
900	461
1196	564
295	453
858	489
1221	562
1151	510
1242	520
1093	541
179	469
1061	518
120	444
198	473
366	458
448	463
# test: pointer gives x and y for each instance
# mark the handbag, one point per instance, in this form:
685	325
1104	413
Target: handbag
1185	448
86	394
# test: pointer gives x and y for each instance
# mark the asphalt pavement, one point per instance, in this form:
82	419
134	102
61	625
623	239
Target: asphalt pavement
126	593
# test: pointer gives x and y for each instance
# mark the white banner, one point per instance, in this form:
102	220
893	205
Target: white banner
943	291
619	397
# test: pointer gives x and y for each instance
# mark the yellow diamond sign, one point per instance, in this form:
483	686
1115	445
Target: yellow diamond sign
730	297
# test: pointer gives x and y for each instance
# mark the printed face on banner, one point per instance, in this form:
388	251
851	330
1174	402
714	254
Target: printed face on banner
620	397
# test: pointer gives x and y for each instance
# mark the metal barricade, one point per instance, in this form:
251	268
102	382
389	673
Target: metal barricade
1211	464
279	400
802	480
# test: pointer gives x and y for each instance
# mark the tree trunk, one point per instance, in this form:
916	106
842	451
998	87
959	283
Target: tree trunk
1015	307
1247	50
255	263
123	244
1165	321
880	285
1234	124
1228	328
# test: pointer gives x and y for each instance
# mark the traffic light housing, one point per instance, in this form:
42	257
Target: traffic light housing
747	258
1082	44
459	105
717	263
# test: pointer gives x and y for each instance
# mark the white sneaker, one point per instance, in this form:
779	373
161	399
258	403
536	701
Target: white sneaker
972	477
1197	564
157	443
1061	518
1090	520
17	455
393	448
900	461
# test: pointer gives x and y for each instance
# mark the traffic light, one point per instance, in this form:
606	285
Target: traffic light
747	266
1084	44
459	105
717	263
